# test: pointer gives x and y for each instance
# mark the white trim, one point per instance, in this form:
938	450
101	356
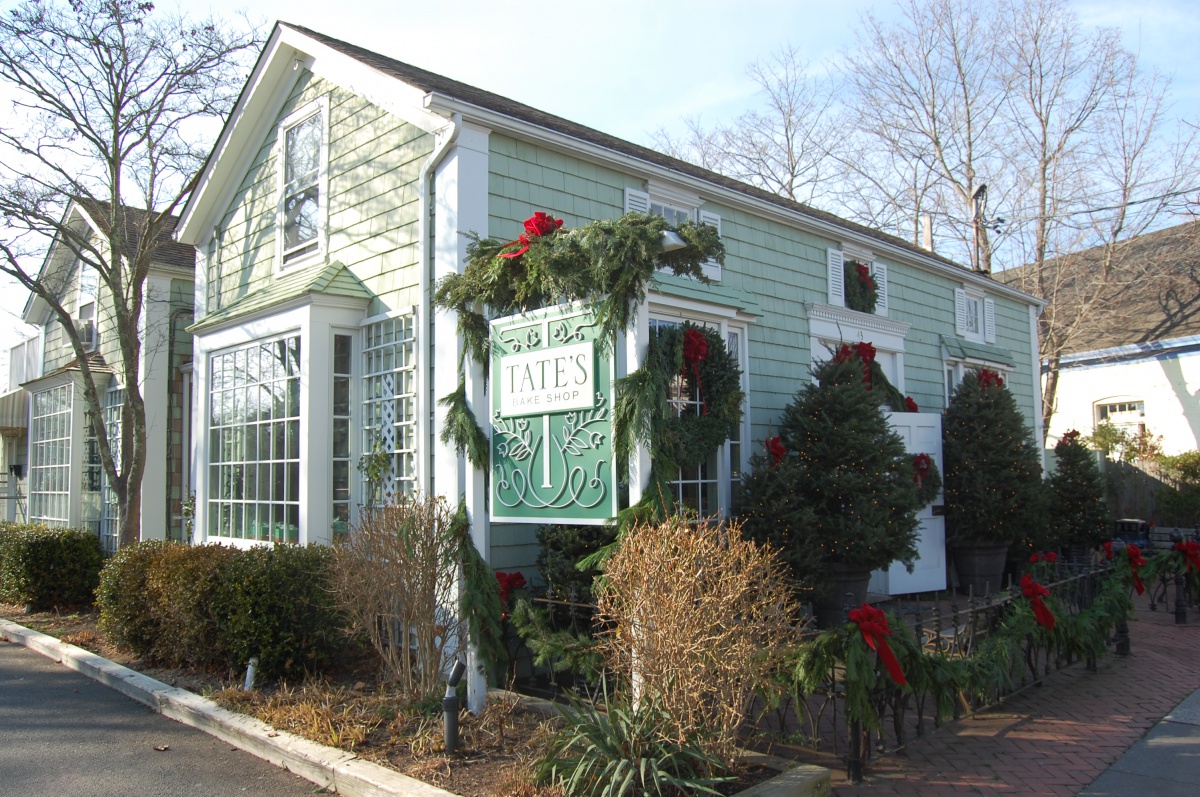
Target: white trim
832	323
835	272
989	320
320	105
879	272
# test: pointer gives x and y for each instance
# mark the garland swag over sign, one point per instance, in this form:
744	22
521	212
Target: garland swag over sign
607	266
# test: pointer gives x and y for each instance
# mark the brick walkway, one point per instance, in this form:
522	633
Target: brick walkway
1053	740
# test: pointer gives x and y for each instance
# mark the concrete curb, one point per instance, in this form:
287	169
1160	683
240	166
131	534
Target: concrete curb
327	767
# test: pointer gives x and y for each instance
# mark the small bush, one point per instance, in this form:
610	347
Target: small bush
697	611
126	617
49	568
278	604
396	580
180	584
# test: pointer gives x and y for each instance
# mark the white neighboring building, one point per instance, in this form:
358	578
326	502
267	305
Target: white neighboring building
1146	387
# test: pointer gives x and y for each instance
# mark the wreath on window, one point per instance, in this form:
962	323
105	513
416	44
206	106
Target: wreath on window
862	294
684	403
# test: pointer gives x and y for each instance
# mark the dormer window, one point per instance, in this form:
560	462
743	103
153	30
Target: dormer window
85	308
854	278
304	157
974	315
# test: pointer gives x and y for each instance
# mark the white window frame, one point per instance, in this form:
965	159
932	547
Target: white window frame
955	370
974	315
836	261
291	259
830	326
687	205
724	320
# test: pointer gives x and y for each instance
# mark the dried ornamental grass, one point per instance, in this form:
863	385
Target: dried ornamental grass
698	612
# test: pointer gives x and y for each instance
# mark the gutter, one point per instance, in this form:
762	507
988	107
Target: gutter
563	142
444	138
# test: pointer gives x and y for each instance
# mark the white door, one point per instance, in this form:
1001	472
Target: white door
922	434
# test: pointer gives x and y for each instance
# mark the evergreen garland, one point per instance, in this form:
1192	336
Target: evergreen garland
480	602
862	294
462	429
609	263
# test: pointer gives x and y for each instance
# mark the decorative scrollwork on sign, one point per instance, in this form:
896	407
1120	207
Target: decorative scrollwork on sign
533	339
519	457
563	334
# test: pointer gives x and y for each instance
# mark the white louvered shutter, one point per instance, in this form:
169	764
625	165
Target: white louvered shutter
989	321
960	311
636	201
712	269
837	275
879	271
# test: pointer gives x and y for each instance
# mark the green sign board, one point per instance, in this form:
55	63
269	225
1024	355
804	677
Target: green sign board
551	394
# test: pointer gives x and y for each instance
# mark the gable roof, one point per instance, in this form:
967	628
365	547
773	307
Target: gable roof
1155	295
168	253
429	100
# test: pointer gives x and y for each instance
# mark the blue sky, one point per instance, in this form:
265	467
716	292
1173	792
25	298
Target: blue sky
628	67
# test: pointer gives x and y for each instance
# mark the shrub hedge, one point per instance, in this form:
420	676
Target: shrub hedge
212	606
48	568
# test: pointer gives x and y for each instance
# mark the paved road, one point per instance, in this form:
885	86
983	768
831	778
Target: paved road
64	735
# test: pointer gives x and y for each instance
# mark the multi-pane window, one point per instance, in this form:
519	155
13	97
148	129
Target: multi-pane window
50	456
342	361
389	461
697	487
254	442
109	515
1127	415
675	216
301	199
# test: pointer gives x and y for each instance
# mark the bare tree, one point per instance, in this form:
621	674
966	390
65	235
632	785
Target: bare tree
112	111
785	147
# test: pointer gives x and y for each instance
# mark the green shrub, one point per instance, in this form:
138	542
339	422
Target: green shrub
278	604
49	568
126	616
180	584
562	547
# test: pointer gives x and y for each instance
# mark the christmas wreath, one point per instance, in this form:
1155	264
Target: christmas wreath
927	478
862	294
684	364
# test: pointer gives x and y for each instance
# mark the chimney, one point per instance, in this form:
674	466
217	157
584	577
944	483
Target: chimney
927	231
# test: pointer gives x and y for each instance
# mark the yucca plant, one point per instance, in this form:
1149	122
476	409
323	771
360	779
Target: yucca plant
626	751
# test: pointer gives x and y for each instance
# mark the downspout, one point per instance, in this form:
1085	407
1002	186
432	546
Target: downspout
175	314
444	137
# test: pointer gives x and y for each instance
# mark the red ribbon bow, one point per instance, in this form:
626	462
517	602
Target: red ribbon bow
864	275
990	378
911	405
1136	560
775	450
695	351
1049	556
508	582
536	226
1108	554
921	465
1191	552
874	627
1035	592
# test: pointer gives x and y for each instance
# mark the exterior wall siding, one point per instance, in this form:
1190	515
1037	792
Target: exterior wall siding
371	205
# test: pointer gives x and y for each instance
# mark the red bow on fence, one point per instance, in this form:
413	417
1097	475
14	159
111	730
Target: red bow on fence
1035	592
873	624
1191	552
695	351
1108	554
1135	561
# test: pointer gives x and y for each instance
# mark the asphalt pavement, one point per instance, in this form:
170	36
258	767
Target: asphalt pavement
65	735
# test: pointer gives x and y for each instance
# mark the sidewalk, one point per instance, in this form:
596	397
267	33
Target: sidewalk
1057	740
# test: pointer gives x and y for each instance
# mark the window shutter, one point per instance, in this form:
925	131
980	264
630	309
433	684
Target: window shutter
960	311
880	273
636	201
837	275
989	321
712	269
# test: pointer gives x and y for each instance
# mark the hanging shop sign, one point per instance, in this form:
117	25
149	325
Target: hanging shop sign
551	404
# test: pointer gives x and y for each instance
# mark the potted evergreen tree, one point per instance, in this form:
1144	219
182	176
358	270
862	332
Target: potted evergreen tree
992	479
1077	489
836	493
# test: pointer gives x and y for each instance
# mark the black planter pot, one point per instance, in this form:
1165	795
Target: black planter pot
980	566
847	589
